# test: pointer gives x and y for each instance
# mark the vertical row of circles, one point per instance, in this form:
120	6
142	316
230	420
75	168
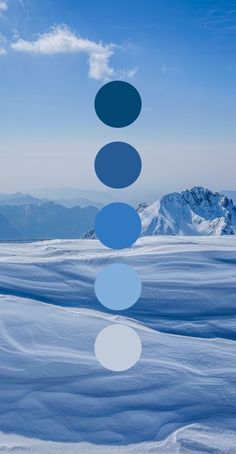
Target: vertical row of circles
117	225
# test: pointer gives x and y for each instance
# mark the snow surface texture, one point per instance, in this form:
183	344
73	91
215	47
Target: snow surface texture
197	211
179	398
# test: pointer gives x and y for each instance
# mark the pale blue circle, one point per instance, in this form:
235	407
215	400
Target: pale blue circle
118	347
118	287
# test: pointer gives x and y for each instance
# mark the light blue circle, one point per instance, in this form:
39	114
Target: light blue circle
118	287
118	225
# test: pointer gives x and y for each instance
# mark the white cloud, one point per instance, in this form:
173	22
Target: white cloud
170	69
60	39
3	6
3	43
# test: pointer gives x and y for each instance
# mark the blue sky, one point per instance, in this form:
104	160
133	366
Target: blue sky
179	54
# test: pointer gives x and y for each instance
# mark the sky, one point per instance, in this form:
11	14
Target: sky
54	57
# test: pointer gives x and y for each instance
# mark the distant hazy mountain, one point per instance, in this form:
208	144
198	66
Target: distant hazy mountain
7	231
78	196
80	201
197	211
44	221
18	198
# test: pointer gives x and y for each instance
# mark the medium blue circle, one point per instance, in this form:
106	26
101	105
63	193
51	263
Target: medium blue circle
118	287
117	225
118	165
118	104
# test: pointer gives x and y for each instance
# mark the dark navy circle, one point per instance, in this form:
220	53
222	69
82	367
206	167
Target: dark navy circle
118	104
118	225
118	165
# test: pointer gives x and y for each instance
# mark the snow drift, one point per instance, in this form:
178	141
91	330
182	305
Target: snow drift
180	397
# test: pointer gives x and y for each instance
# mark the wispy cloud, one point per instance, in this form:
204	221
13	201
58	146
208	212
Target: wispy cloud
3	6
220	20
62	40
3	43
165	69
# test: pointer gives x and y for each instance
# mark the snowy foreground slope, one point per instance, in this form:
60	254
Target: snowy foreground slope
180	397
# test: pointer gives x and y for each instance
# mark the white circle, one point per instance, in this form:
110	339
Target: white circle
118	347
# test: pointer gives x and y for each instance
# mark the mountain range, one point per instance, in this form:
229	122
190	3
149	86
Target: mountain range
196	211
193	212
44	221
21	198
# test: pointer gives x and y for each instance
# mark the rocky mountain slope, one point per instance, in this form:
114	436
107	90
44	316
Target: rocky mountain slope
197	211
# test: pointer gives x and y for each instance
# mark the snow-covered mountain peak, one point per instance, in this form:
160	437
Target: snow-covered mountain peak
196	211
